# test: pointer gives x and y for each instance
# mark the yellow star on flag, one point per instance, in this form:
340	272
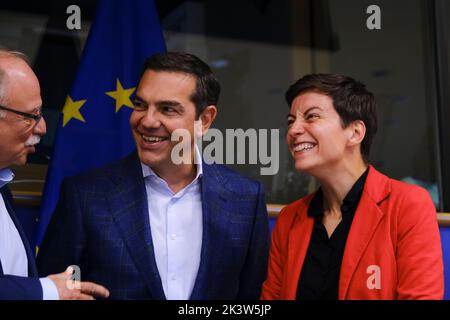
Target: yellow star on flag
122	96
72	110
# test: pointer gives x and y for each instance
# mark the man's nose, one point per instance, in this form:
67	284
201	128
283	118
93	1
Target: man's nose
151	119
40	128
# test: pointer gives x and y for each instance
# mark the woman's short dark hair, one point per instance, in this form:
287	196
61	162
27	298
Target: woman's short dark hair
207	89
351	100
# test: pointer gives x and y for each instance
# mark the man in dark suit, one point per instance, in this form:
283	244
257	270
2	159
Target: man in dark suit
21	126
149	227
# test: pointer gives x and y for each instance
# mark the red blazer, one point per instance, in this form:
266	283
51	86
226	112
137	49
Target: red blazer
393	249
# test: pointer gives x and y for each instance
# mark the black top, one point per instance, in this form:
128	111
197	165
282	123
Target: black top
319	278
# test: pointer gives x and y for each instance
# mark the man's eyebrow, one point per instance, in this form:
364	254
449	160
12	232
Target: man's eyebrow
136	97
170	103
36	109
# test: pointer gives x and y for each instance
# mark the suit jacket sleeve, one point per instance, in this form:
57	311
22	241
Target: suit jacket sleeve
20	288
255	266
64	240
419	252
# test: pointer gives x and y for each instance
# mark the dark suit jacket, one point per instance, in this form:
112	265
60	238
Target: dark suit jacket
19	288
102	225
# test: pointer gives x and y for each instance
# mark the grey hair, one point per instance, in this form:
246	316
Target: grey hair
14	53
4	52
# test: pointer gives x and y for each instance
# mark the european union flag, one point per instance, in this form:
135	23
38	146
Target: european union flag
94	128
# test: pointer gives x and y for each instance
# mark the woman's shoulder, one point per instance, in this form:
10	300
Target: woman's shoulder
409	200
404	189
382	186
296	208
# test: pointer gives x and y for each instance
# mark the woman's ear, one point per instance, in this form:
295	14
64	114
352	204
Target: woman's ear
357	132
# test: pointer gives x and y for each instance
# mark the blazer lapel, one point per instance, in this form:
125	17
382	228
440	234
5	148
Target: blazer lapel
7	197
215	209
129	208
365	222
299	238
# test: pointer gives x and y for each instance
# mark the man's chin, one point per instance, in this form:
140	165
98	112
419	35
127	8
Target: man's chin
23	157
21	161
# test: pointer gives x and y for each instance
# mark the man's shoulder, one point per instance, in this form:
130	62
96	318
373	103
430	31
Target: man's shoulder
127	164
231	179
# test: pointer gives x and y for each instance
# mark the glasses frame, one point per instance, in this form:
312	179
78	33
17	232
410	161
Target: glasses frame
35	117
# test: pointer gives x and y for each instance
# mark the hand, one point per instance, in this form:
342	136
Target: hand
75	290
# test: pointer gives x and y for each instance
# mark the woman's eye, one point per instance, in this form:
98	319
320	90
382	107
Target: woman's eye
312	116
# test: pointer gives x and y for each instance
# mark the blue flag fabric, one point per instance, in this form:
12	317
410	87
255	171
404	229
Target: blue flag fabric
94	127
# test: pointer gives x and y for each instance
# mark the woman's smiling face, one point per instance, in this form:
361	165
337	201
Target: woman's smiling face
316	137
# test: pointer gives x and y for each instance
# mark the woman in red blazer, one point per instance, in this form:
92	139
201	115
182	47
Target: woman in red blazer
361	235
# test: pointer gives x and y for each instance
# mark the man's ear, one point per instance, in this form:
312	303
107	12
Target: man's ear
357	132
207	117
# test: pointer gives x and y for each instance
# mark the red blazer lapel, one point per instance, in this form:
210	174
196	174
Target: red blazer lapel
299	237
365	222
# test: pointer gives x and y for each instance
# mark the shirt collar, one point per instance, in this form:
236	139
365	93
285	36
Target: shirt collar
354	195
6	176
148	172
352	198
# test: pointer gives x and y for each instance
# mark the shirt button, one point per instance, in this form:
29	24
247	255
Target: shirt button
174	278
173	236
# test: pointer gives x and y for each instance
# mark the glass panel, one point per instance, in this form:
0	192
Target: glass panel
258	48
392	62
249	47
39	30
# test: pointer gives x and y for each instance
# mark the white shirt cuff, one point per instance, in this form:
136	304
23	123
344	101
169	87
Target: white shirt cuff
49	290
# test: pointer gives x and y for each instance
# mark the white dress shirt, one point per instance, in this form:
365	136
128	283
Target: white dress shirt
13	256
176	227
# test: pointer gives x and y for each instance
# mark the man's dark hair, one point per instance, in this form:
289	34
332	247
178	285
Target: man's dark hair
351	100
207	88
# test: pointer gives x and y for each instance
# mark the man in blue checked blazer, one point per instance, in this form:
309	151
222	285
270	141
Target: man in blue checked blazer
149	227
21	127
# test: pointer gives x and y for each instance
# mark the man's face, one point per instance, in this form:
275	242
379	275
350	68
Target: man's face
22	92
163	102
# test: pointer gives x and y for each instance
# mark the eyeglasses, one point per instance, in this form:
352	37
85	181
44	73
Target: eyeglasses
29	118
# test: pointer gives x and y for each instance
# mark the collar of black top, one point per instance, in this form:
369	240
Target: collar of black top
351	200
